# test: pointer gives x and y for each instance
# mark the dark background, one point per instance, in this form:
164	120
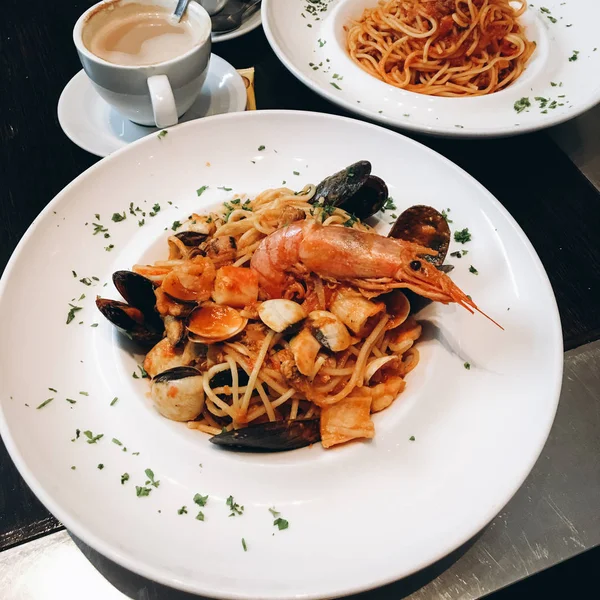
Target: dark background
556	206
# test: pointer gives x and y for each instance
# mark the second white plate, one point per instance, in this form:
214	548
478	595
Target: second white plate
309	39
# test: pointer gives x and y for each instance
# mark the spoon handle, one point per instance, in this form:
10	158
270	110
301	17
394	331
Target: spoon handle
180	9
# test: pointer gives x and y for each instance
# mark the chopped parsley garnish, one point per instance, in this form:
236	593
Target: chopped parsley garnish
473	270
143	373
155	210
235	508
44	403
296	172
141	223
445	215
83	393
118	217
201	190
335	85
467	366
225	189
161	134
124	478
412	438
100	229
457	254
100	466
151	480
72	311
326	211
574	56
117	442
74	274
70	401
244	546
176	225
182	511
351	221
389	205
86	281
53	390
73	468
522	104
200	500
114	401
140	491
91	438
261	148
281	523
77	434
109	247
200	516
463	236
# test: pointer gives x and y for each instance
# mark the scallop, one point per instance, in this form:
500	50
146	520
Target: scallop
328	330
353	309
213	323
305	348
165	356
280	314
235	286
178	393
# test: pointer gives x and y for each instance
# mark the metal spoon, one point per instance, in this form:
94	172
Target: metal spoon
232	16
180	9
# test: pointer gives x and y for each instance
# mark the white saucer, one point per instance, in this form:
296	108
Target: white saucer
95	126
248	25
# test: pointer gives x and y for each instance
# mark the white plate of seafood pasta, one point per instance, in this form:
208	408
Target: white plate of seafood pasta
453	67
323	384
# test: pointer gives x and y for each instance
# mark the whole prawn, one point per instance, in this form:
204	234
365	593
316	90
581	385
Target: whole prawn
359	257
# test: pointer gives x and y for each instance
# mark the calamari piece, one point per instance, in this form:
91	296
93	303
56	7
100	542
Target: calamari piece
348	419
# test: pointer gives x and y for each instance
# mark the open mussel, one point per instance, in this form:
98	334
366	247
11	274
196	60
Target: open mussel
138	291
354	190
276	436
129	320
426	226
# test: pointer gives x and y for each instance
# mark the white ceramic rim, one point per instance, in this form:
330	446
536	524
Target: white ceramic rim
136	566
406	124
195	7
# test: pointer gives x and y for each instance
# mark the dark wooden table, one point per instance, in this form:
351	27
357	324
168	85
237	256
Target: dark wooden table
554	203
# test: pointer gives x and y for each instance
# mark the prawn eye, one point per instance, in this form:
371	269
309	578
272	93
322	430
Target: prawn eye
415	265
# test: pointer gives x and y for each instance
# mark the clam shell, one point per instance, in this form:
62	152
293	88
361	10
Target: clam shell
213	323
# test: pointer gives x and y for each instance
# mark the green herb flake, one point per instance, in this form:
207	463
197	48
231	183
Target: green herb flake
73	468
274	512
281	523
109	247
389	205
44	403
522	104
261	148
71	401
124	478
74	274
53	390
296	172
100	466
182	511
200	500
574	56
463	236
77	434
412	438
141	492
467	366
473	270
114	401
201	190
118	217
117	442
151	480
351	221
176	225
72	311
84	393
200	516
91	438
86	281
235	508
225	189
162	134
445	215
335	85
456	254
244	545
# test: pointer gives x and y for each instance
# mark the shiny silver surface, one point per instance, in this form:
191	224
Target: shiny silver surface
580	140
553	517
180	9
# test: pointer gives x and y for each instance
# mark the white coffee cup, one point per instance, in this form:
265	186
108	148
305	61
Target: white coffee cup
156	94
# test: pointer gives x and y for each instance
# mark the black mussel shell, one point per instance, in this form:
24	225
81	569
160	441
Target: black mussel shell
368	200
138	291
223	378
175	330
341	186
278	436
426	226
176	373
191	238
127	319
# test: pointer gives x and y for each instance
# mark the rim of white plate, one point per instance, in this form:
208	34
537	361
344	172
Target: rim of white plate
436	131
129	561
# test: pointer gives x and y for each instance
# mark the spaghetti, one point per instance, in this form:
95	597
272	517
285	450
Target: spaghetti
259	374
451	48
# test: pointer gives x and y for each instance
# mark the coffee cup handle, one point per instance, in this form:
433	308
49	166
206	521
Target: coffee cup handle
163	101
